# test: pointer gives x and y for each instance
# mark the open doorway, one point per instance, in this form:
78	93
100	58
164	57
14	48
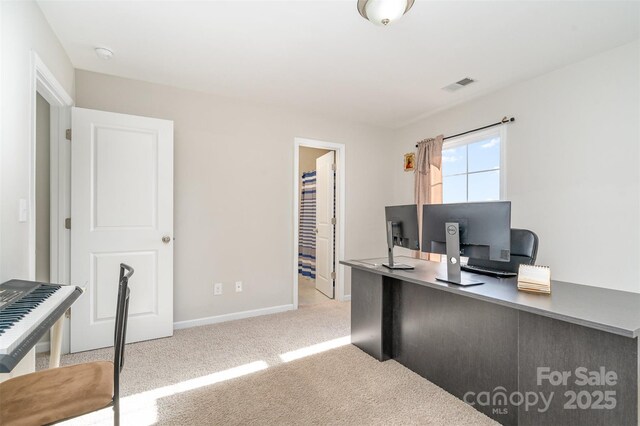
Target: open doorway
43	191
316	249
319	215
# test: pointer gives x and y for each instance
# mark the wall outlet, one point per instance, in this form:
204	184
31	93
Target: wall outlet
238	286
217	289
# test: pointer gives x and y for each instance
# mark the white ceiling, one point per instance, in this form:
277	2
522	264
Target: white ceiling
321	56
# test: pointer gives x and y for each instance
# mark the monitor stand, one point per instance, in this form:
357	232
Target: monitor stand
391	264
454	275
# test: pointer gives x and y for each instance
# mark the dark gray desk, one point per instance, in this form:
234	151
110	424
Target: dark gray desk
494	346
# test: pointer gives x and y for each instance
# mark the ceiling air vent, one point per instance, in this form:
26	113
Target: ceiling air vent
459	84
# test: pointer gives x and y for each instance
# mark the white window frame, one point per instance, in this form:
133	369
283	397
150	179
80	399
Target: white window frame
476	137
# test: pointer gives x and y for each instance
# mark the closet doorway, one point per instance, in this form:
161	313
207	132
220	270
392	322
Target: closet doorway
318	234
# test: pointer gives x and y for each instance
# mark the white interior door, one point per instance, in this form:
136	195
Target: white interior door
121	208
324	223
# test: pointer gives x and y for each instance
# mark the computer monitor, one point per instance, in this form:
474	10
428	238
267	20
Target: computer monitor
402	231
474	230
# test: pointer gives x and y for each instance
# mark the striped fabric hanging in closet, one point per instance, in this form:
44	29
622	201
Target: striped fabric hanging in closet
307	238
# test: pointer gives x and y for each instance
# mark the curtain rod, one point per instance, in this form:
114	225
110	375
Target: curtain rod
504	120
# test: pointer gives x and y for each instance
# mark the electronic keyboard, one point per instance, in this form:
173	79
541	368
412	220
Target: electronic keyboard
27	310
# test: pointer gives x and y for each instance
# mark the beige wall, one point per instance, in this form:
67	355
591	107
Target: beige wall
306	163
234	189
43	190
24	29
572	164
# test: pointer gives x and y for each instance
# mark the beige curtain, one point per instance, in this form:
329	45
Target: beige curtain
428	182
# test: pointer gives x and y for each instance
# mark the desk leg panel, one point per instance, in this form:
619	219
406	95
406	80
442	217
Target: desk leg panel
370	315
550	348
466	346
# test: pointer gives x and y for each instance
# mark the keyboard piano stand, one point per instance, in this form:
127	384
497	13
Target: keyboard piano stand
56	343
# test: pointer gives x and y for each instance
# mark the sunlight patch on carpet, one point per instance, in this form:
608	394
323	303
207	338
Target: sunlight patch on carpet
315	349
141	409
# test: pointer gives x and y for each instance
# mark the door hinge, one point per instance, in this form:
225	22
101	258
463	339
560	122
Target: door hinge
333	220
67	223
333	167
333	275
68	313
67	134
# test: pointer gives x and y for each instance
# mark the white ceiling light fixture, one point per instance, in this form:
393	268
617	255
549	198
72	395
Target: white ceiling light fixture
383	12
104	53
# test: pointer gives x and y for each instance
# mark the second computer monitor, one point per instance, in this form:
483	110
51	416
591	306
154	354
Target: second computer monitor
402	230
404	226
484	229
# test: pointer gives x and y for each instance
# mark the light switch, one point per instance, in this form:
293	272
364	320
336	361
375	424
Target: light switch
23	211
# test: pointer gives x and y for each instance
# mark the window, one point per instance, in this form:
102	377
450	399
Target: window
472	168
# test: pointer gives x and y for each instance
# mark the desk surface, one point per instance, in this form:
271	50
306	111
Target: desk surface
612	311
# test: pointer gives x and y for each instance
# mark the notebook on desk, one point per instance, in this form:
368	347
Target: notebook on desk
534	279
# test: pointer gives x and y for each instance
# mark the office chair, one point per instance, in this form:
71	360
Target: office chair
524	249
56	394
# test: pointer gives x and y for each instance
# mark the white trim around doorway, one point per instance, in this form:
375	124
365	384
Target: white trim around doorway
44	82
340	209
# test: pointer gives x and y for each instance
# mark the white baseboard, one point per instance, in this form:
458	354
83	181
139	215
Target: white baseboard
45	346
42	347
230	317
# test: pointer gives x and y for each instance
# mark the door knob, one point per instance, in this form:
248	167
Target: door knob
166	239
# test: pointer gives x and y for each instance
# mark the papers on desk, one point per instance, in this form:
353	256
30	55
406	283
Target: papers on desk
534	279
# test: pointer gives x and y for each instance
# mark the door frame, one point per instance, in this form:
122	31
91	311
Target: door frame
44	82
339	149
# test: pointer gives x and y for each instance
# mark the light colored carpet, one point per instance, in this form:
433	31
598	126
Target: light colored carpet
290	368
